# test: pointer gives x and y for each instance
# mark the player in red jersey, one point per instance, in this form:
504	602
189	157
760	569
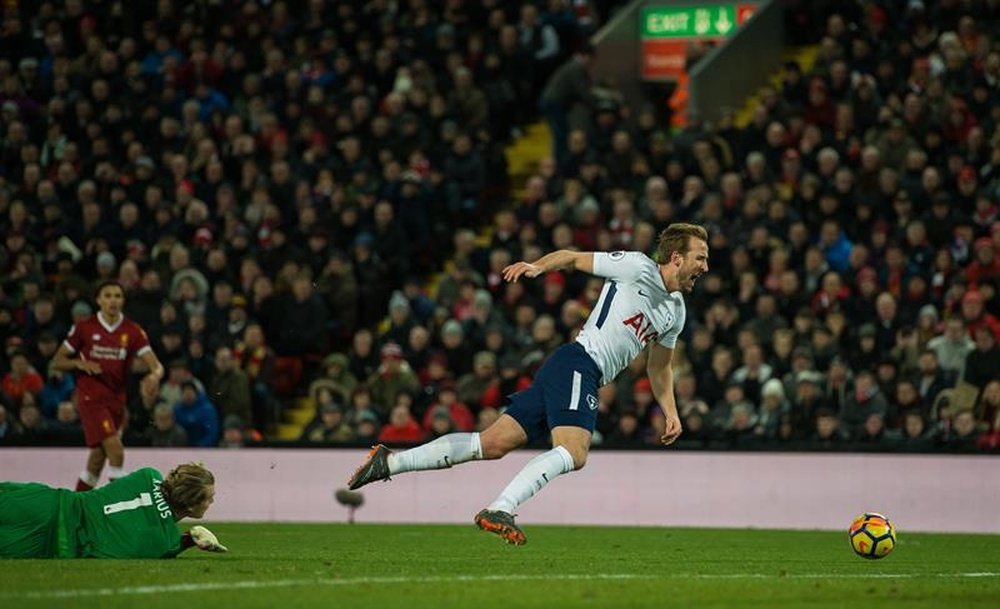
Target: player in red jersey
101	349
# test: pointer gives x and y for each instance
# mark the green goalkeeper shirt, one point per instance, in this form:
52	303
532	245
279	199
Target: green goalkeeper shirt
127	518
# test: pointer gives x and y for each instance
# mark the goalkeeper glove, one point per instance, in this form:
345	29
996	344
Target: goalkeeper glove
206	540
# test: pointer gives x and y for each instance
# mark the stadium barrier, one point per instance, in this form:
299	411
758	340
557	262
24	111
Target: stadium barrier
946	493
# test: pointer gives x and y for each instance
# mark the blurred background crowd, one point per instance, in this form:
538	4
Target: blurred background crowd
308	202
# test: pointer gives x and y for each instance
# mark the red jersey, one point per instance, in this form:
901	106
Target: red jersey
114	348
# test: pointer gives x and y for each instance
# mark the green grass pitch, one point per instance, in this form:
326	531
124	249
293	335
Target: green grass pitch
402	566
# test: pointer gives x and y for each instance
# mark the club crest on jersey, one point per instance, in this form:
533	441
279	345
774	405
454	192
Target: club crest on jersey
124	340
592	401
643	328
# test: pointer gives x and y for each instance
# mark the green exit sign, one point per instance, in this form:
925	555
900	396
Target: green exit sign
711	21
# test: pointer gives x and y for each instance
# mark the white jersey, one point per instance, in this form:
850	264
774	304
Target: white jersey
634	308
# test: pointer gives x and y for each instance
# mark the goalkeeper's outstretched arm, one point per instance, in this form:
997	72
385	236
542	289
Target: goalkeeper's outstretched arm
203	539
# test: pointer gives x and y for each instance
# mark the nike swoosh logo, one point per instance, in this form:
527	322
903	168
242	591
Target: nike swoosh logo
643	294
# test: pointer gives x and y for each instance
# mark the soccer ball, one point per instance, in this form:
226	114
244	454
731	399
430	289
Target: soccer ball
872	536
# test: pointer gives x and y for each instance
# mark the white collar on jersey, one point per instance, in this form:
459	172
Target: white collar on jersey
109	328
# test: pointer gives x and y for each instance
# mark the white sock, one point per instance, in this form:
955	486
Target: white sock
88	478
115	472
532	478
441	453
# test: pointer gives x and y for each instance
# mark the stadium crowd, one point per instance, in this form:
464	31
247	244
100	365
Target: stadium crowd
275	192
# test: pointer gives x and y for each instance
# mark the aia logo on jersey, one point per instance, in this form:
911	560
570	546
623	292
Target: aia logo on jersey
642	327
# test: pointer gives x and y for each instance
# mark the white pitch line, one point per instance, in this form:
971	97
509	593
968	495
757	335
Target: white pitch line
360	581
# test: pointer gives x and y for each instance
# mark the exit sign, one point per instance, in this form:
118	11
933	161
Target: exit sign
702	21
665	32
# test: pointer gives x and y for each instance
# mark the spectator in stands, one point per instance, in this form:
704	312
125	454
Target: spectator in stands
985	265
963	433
230	387
930	378
952	347
473	385
329	425
338	286
364	358
234	433
687	398
400	320
57	389
301	324
367	427
643	401
627	433
21	379
197	416
440	423
872	433
864	401
754	372
982	364
740	429
975	314
165	432
458	412
65	427
257	360
808	402
567	90
401	428
828	432
393	375
335	370
915	435
360	403
31	427
773	407
722	412
177	375
988	405
905	401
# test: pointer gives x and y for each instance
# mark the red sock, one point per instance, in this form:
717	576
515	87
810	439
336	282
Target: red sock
86	481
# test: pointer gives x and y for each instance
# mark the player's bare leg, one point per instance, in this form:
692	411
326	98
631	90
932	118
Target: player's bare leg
503	436
115	451
569	452
92	473
576	440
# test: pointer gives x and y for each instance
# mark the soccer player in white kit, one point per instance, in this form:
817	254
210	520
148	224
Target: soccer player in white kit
640	305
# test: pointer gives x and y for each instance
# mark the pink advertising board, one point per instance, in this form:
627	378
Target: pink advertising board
661	488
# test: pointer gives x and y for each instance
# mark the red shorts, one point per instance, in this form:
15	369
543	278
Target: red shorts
101	418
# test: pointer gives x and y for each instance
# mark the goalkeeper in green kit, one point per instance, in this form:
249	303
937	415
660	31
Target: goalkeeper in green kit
132	517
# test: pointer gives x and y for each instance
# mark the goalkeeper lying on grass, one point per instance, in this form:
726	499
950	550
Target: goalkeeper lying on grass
132	517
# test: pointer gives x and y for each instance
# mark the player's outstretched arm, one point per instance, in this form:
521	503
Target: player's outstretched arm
555	261
659	367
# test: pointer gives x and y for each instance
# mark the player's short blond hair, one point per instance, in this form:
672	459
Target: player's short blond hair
677	238
186	486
